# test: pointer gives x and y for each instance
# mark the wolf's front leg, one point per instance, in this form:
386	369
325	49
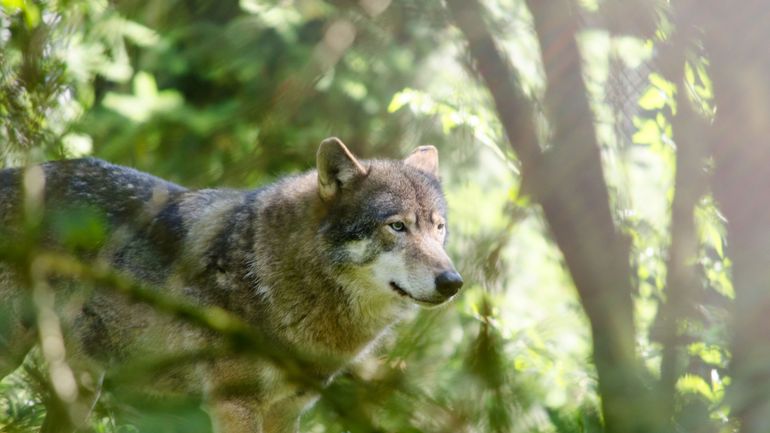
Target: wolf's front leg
234	401
283	415
236	416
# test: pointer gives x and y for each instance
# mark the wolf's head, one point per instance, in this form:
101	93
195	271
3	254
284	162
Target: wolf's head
385	223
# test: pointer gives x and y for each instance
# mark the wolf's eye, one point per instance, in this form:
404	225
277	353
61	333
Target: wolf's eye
397	226
440	227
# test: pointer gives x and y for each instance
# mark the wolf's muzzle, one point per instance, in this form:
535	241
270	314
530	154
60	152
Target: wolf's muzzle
448	283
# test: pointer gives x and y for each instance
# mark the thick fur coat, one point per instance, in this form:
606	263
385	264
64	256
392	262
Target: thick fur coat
323	262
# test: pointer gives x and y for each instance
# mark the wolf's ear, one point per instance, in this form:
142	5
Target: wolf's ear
424	158
336	167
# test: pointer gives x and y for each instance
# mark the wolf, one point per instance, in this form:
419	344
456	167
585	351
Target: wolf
323	262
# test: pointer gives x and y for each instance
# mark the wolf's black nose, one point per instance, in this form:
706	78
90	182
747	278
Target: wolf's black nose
448	283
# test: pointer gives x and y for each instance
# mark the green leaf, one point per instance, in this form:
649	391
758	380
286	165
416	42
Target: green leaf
400	99
663	84
13	5
653	99
710	354
144	85
31	15
137	33
145	101
692	384
648	133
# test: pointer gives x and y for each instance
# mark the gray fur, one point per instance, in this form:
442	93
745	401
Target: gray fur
301	259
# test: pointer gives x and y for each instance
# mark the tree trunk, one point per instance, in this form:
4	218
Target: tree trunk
568	183
736	38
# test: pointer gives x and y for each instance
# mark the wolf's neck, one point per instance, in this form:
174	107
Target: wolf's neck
332	321
317	311
308	301
263	254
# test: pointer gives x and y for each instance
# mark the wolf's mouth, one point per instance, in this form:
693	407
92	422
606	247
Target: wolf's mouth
403	293
396	288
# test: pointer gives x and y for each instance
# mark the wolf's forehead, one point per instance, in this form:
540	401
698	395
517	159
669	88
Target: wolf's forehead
403	189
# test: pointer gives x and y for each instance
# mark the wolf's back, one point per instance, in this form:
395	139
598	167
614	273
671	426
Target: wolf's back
119	192
93	208
10	194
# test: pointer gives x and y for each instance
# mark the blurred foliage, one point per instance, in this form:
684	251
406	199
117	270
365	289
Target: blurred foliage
213	93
